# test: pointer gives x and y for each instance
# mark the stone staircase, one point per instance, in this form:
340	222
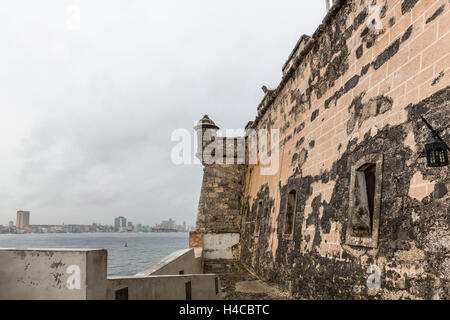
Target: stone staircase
220	266
240	283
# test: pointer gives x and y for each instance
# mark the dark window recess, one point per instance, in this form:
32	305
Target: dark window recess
122	294
364	201
245	215
181	272
258	218
266	218
217	285
436	152
290	210
188	290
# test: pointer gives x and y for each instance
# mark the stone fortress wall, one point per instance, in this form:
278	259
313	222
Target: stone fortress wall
352	199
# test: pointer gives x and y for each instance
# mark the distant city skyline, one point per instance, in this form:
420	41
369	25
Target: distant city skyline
23	218
31	216
120	224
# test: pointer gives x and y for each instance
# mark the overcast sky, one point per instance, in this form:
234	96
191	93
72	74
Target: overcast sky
87	110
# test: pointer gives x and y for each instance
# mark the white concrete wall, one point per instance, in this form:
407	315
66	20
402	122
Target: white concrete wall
48	274
96	274
185	260
203	287
52	274
219	245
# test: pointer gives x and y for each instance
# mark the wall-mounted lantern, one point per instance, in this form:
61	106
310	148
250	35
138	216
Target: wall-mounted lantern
436	149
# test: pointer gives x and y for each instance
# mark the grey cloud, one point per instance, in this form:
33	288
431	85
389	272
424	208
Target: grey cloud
86	115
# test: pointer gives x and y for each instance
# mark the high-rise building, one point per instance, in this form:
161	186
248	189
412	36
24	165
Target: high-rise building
130	226
168	224
23	219
119	223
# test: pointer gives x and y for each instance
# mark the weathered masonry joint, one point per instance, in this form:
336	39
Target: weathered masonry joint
362	183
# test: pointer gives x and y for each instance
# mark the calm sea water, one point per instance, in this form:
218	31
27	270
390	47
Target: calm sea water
143	250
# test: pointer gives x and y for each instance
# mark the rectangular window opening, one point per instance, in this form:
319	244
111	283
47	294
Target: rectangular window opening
266	219
362	220
290	212
245	215
258	218
122	294
188	287
370	187
217	285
